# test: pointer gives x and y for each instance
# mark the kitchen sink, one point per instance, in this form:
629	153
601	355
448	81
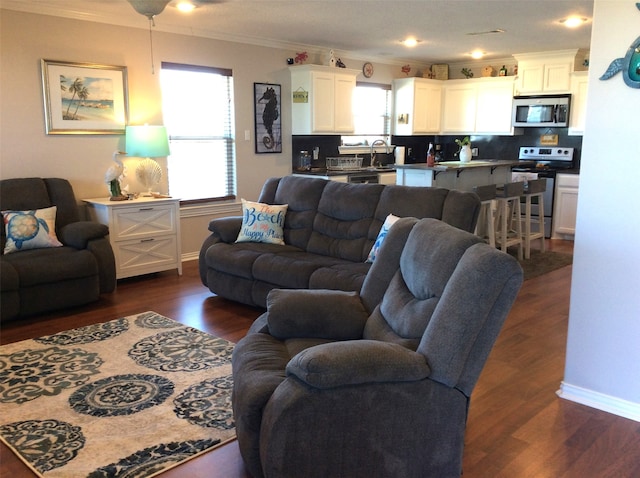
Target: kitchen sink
378	169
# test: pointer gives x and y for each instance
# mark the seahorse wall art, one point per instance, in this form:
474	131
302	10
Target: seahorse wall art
629	65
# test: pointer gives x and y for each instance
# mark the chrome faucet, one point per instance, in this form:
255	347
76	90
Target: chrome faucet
373	150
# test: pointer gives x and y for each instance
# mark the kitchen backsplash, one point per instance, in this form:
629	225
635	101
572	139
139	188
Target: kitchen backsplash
489	147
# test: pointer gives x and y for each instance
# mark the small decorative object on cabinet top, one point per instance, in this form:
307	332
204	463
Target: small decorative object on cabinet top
487	71
301	57
467	73
503	71
440	71
406	69
332	58
367	70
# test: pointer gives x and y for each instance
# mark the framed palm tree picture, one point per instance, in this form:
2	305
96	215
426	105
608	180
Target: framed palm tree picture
84	98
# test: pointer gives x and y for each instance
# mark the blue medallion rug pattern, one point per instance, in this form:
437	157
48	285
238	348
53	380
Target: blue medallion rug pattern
131	398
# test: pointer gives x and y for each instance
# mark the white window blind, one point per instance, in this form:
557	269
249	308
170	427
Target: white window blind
197	103
371	109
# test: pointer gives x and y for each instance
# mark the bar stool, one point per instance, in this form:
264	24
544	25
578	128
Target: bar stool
508	224
534	191
485	228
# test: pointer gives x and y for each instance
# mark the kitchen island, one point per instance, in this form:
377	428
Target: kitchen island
456	174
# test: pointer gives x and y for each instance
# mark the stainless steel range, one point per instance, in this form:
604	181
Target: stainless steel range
543	162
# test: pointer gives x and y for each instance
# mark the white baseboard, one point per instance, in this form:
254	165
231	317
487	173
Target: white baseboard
190	256
606	403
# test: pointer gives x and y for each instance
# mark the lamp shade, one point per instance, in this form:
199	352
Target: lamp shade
147	141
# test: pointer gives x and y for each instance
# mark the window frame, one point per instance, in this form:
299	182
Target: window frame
231	173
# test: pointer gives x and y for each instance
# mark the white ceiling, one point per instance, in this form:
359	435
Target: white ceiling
358	29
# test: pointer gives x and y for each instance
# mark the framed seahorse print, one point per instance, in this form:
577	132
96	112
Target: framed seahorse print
268	121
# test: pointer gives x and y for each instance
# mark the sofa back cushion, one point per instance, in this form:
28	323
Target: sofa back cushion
302	195
343	226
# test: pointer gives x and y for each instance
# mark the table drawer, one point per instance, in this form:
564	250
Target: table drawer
143	221
144	256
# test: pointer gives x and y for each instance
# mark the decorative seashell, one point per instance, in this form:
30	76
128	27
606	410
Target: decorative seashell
148	173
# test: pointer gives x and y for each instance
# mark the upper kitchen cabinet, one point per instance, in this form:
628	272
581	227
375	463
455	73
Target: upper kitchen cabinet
478	106
417	106
322	99
579	84
547	72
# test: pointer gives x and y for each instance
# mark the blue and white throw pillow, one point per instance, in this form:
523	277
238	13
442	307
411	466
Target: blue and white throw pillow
384	230
30	229
262	222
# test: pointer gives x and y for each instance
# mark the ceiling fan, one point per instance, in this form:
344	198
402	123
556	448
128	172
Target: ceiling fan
151	8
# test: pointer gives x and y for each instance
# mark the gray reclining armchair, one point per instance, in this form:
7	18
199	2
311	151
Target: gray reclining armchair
376	384
41	280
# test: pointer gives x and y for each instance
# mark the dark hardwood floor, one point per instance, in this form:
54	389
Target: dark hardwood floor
517	425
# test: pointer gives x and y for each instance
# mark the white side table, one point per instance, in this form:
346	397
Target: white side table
144	233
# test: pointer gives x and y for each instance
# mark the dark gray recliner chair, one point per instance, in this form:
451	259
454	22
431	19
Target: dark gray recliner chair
376	384
36	281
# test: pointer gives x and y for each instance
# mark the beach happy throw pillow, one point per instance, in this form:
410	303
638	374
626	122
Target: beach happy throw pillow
262	222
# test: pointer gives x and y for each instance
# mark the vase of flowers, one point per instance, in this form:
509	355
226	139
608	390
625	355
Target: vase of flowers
465	149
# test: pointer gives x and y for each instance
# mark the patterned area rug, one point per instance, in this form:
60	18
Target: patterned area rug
542	262
131	397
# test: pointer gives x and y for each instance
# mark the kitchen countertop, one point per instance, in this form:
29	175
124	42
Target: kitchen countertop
455	165
337	172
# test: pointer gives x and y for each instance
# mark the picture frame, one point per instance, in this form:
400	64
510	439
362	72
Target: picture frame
268	118
84	98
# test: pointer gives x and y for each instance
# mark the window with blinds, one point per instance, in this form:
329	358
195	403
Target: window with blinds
372	109
197	103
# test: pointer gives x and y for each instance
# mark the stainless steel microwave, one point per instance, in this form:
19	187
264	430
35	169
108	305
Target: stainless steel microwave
541	111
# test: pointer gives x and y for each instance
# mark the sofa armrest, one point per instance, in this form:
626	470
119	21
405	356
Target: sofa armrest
357	362
78	234
227	228
326	314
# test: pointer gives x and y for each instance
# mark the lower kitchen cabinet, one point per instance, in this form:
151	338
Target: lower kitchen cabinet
387	178
565	206
144	233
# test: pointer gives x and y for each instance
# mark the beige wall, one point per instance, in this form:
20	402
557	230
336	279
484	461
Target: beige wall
25	149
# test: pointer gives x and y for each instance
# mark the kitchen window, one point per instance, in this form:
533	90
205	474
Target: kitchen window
197	102
371	112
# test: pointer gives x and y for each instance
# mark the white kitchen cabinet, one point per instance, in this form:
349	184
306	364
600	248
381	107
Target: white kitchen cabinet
387	178
579	85
546	72
322	99
565	206
417	106
144	233
495	105
480	106
460	106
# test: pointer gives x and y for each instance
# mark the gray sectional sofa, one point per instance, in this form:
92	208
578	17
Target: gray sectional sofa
329	230
43	279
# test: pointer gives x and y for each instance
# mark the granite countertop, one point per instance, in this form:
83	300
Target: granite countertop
344	172
454	165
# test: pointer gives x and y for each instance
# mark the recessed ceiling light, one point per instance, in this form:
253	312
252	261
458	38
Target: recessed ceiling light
477	54
573	22
185	6
410	42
